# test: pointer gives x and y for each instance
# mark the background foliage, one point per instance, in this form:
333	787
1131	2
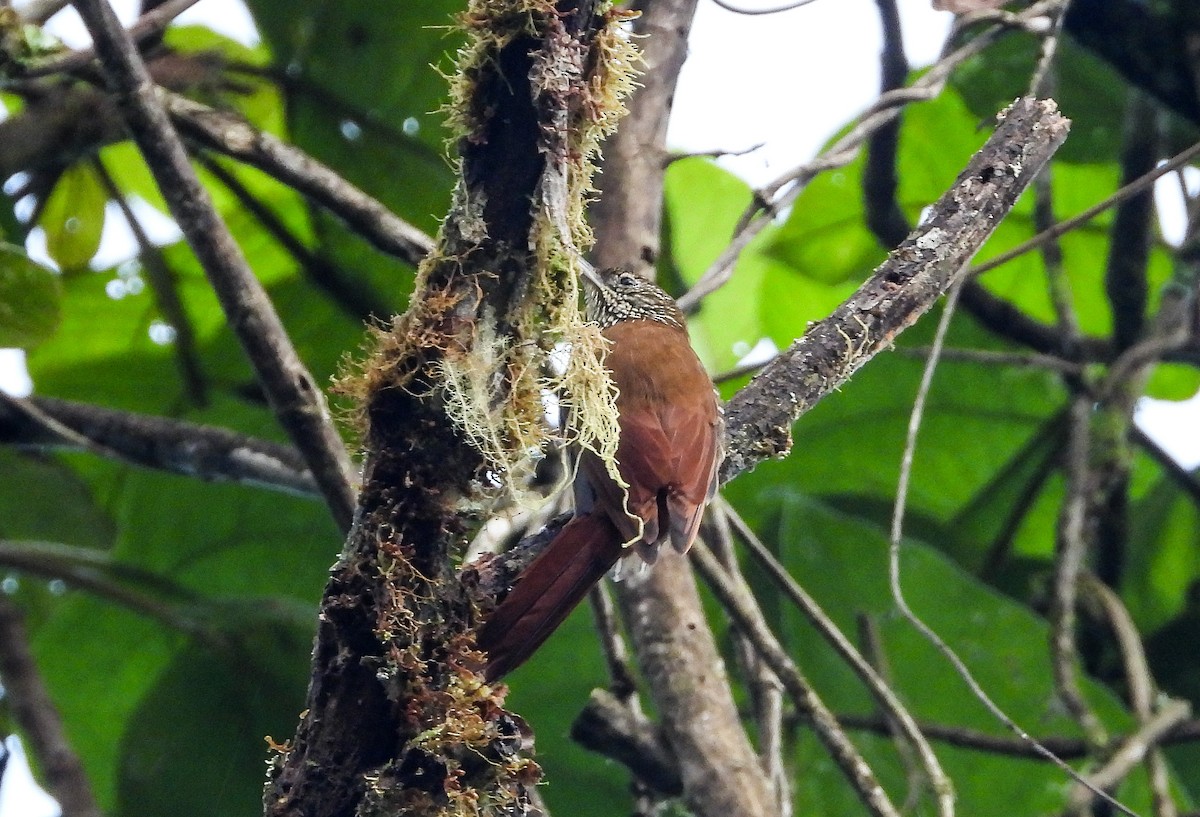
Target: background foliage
167	698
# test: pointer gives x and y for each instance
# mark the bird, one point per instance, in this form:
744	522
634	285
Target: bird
669	453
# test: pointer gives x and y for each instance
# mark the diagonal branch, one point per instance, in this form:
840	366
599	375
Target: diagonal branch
901	290
227	133
295	398
38	718
201	451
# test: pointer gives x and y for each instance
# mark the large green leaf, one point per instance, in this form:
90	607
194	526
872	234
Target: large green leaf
1087	91
98	660
30	299
764	299
248	566
216	710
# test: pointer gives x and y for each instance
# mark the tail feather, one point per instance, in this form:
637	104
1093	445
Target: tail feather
548	590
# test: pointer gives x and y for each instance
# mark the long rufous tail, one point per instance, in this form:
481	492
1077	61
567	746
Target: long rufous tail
547	590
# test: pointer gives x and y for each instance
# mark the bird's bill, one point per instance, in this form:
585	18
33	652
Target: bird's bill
589	274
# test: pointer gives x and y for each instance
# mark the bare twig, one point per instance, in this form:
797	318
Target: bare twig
38	718
607	726
1057	281
1075	532
228	133
1131	751
883	694
962	738
1141	687
97	572
795	4
355	297
150	24
206	452
894	568
711	154
1135	187
766	692
738	602
990	357
166	293
875	655
38	12
1178	474
1041	83
779	194
295	398
1044	84
621	681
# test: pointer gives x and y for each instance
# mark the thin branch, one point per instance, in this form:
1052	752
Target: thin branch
1182	477
622	682
227	133
1057	281
205	452
1130	753
1005	320
1143	694
296	399
149	25
608	727
166	293
876	656
1042	81
881	211
1181	159
795	4
1125	273
989	357
779	194
37	716
766	693
1075	532
355	297
98	573
894	567
963	738
738	602
38	12
716	153
885	697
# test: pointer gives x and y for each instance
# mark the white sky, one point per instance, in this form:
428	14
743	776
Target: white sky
788	80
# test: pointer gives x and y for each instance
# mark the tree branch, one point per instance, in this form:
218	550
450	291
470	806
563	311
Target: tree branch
905	286
397	719
294	397
38	718
150	24
205	452
227	133
738	602
607	727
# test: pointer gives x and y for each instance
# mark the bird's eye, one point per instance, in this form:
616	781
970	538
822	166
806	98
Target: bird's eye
626	279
